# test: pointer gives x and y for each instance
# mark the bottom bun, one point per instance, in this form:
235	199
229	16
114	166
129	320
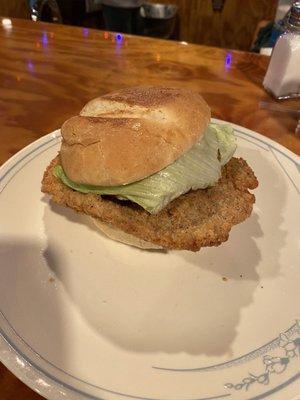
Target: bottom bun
123	237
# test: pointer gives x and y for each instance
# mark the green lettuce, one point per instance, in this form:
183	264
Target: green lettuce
198	168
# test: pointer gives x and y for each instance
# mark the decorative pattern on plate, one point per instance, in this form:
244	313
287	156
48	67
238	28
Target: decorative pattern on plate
273	344
273	365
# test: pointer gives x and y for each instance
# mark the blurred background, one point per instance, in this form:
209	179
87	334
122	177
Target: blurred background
251	25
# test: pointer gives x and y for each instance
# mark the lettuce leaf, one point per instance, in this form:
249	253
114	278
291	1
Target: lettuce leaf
199	168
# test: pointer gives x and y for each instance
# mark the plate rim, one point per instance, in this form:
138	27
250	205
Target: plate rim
10	355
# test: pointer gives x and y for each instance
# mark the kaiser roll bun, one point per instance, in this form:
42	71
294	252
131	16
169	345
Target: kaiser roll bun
123	237
127	135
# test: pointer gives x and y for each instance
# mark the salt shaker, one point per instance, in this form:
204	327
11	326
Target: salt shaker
282	79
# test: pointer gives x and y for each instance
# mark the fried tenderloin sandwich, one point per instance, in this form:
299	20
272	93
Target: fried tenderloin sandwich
151	170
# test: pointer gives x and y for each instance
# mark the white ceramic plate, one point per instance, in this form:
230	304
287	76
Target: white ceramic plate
83	317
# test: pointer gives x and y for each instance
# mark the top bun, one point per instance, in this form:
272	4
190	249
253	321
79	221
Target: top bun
125	136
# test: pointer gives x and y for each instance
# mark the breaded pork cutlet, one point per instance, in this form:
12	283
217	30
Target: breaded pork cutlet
199	218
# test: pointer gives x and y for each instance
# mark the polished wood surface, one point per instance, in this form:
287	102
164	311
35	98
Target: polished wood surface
48	72
233	27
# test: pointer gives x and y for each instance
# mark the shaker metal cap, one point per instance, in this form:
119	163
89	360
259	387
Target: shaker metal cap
294	19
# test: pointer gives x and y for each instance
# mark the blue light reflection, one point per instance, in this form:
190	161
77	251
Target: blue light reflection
228	60
30	66
119	38
85	32
45	39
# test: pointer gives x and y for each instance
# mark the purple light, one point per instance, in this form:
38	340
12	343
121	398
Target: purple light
45	39
30	66
119	38
228	60
85	32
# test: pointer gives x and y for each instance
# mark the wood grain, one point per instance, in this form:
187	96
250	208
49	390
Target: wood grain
233	27
13	389
48	72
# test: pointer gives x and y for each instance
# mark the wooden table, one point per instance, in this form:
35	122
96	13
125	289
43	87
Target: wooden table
48	72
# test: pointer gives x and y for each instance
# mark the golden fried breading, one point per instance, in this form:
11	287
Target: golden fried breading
197	219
